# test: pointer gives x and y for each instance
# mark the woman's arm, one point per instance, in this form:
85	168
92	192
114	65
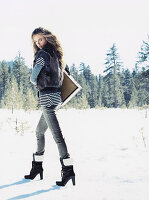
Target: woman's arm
35	73
42	60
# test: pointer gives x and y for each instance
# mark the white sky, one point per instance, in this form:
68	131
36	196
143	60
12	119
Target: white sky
85	28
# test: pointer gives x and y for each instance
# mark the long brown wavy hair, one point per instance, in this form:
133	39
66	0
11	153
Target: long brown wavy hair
52	40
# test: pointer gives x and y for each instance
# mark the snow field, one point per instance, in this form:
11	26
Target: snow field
109	147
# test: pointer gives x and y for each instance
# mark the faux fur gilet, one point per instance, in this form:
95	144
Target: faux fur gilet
51	75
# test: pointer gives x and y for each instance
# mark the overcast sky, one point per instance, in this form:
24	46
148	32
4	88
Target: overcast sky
85	28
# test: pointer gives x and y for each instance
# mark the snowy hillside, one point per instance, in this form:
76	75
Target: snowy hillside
110	149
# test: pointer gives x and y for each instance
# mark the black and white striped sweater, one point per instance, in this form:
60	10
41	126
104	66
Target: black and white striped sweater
48	96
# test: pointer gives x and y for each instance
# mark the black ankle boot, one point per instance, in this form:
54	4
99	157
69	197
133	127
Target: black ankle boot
67	173
35	170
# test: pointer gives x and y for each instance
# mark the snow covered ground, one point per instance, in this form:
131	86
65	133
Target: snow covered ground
110	148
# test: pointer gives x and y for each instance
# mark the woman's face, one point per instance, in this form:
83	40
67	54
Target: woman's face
39	40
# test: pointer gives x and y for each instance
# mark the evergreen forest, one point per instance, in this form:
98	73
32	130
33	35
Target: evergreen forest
117	87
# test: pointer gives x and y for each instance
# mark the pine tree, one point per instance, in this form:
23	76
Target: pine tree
143	55
10	72
21	73
125	80
93	95
4	78
100	91
105	96
112	78
142	79
12	99
18	66
74	72
134	95
30	103
89	81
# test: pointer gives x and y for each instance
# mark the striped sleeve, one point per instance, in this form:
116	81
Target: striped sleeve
42	58
40	61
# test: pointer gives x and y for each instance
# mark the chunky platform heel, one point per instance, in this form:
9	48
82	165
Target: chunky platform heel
65	180
73	180
41	175
67	173
36	167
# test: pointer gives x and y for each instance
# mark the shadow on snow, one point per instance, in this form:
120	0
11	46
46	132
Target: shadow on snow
15	183
23	196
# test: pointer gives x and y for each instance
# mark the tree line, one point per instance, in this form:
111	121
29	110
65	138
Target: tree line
16	91
118	87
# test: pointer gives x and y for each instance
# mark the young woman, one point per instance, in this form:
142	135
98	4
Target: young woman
47	75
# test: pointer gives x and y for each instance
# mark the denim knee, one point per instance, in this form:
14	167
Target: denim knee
39	133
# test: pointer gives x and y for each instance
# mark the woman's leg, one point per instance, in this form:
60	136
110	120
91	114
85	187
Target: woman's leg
40	135
53	124
38	156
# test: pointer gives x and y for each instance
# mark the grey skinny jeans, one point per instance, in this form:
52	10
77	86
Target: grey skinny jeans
49	120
